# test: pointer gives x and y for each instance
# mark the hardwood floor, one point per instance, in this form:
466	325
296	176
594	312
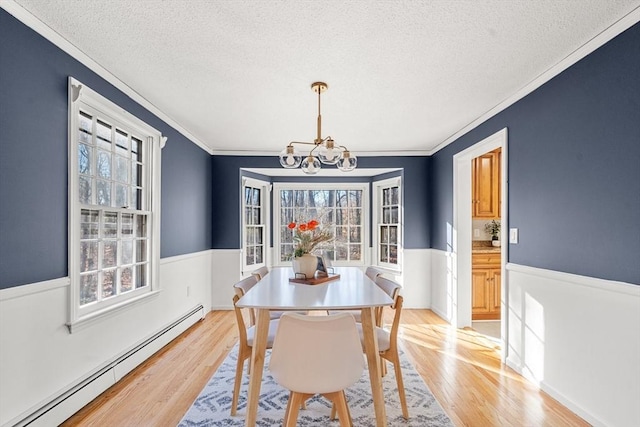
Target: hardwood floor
461	367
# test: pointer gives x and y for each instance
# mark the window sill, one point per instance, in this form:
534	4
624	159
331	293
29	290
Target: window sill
98	316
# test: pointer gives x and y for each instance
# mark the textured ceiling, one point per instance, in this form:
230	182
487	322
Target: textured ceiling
402	75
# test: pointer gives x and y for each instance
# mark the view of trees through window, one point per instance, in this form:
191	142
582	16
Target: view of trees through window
388	240
113	227
339	211
254	226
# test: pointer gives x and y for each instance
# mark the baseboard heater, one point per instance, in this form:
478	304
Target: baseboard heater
73	399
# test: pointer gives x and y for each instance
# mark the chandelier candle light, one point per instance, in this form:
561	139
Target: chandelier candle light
324	151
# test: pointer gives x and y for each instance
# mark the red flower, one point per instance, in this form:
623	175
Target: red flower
303	227
291	225
311	225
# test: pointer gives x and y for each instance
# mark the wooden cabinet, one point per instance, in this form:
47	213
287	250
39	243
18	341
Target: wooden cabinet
485	171
485	285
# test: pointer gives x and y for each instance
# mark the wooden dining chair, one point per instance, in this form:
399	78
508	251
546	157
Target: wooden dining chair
241	288
316	355
261	272
245	345
391	288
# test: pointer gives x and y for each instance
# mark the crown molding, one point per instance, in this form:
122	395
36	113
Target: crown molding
587	48
412	153
31	21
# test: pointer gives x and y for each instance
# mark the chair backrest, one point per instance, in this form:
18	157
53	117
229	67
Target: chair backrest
260	273
372	272
316	354
241	288
389	286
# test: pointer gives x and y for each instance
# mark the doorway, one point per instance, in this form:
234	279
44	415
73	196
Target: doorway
463	232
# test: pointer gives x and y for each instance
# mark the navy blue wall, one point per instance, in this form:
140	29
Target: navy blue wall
226	193
574	168
33	164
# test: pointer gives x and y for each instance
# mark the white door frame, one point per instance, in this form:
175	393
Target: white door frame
462	231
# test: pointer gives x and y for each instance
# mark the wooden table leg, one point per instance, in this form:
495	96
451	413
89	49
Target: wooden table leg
257	365
373	362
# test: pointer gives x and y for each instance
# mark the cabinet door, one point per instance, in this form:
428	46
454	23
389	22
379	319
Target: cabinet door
486	185
481	293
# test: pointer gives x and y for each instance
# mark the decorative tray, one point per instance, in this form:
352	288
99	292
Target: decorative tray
315	280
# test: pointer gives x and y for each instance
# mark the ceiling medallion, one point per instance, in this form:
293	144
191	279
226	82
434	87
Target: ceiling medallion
324	150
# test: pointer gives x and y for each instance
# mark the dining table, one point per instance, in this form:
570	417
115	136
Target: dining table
348	289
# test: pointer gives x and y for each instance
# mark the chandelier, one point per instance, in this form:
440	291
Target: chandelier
324	150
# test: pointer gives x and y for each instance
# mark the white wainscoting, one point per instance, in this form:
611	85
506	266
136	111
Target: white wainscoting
579	338
443	301
41	361
415	278
226	267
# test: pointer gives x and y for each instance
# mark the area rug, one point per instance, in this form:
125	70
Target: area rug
213	406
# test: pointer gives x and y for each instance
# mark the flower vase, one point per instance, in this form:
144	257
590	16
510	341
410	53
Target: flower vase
305	264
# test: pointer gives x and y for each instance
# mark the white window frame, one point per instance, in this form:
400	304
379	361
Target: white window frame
378	187
83	98
264	187
361	186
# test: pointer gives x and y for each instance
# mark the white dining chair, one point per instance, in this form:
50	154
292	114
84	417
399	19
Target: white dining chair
316	355
245	344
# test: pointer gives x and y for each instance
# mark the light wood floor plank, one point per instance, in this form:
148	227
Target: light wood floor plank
461	367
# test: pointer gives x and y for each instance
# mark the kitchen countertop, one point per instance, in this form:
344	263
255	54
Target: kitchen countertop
484	247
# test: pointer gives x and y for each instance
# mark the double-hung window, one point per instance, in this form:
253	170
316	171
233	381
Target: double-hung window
255	199
388	217
340	208
114	205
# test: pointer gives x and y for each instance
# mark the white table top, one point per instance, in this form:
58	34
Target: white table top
352	290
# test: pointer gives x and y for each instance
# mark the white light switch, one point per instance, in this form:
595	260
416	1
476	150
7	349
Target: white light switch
513	235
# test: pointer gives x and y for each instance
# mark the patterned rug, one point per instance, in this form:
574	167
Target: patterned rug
212	407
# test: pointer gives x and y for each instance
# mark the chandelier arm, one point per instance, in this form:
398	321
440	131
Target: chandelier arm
301	142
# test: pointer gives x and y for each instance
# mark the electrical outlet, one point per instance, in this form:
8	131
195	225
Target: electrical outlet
513	236
476	232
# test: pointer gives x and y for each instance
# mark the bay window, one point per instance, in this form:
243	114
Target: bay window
342	209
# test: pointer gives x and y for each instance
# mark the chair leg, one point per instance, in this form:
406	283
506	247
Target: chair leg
291	417
383	367
340	405
236	384
400	382
288	410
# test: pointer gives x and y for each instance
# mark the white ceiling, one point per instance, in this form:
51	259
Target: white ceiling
404	76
